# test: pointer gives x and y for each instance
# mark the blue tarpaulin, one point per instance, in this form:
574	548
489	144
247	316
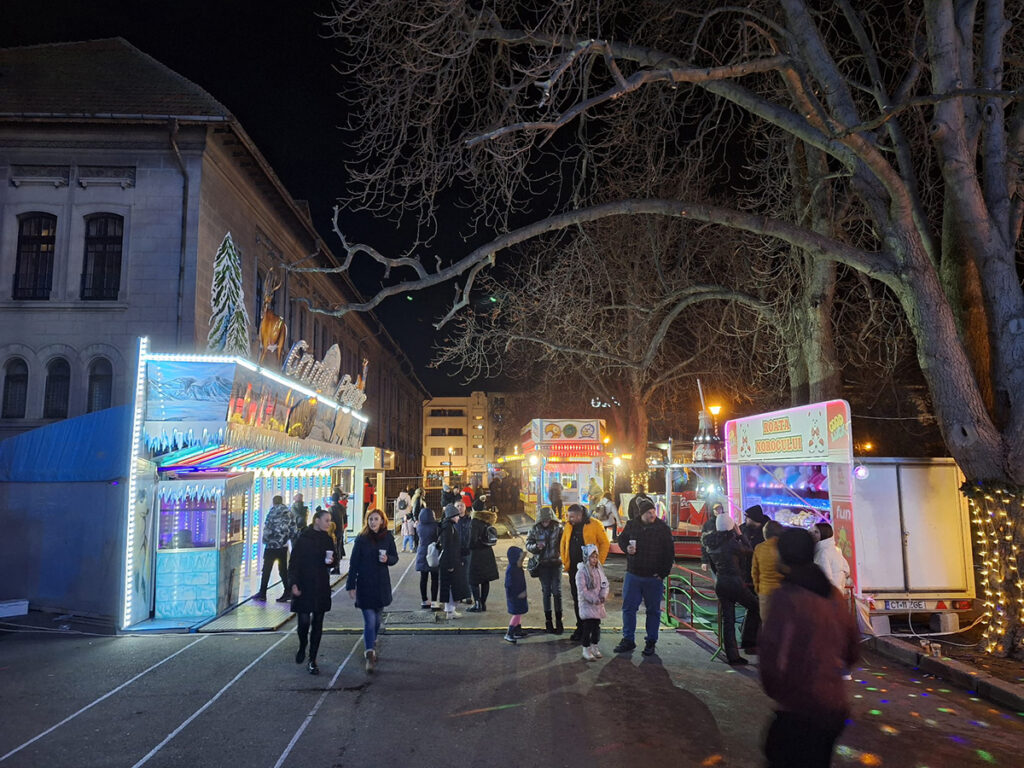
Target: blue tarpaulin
89	448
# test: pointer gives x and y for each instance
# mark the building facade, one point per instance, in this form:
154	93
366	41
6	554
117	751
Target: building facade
460	438
122	181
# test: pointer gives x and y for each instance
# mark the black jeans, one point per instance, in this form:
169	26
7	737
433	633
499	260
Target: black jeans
310	626
550	575
590	632
270	554
799	741
575	593
432	575
481	591
730	592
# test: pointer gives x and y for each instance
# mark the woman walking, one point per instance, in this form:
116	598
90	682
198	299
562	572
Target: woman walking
451	569
426	530
483	568
309	575
369	581
545	541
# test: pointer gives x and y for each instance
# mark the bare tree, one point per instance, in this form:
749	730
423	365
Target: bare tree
914	109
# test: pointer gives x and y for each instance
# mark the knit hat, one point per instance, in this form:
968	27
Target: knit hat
587	550
545	514
796	547
450	510
724	522
643	505
756	514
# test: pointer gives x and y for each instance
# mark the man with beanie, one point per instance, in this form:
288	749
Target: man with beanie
806	643
545	541
580	529
650	554
728	550
454	586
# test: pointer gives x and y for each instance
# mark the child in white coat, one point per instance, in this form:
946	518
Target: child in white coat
592	586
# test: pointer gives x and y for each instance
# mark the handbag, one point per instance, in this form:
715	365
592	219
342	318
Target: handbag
433	555
533	565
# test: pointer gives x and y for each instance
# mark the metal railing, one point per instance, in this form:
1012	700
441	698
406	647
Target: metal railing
691	605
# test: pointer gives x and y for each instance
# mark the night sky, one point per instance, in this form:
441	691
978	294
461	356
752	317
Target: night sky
270	64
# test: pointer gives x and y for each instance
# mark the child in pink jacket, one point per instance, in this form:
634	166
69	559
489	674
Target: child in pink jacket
592	586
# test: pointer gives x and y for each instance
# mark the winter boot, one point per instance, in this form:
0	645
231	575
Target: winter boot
559	629
548	626
596	652
587	655
476	608
510	636
520	631
371	661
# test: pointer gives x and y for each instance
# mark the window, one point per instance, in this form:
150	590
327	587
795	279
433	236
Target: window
456	451
15	389
101	380
438	432
447	412
58	387
438	452
455	431
101	268
33	274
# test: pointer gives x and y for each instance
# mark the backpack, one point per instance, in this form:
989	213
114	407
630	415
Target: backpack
402	504
433	555
490	536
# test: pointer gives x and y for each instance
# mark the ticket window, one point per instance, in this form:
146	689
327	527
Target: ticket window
188	523
795	495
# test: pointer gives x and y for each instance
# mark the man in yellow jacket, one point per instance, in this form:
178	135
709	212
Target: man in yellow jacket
580	529
765	569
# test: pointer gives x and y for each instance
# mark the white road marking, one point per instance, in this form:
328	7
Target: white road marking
107	695
330	686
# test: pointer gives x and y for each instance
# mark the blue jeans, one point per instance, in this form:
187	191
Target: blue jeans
648	589
371	627
407	542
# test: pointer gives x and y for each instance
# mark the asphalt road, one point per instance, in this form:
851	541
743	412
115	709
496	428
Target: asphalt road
444	699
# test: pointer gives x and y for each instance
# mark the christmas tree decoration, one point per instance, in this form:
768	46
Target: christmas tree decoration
229	321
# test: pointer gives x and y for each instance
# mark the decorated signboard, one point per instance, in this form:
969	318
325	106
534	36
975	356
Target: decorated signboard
551	430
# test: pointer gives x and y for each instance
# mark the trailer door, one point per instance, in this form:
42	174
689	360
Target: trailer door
933	517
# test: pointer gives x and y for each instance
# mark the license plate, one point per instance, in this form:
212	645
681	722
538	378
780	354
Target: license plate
905	605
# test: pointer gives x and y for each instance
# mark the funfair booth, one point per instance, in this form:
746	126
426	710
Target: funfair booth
214	439
797	464
567	451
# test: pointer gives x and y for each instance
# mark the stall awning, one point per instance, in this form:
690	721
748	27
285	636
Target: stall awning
226	458
89	448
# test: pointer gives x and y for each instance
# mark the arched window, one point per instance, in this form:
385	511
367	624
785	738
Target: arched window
15	389
33	273
101	267
101	383
58	387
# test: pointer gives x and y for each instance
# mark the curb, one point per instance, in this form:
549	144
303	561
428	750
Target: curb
971	679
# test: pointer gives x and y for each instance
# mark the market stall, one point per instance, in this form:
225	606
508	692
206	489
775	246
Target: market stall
569	452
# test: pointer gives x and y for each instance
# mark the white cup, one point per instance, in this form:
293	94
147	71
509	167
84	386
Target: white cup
632	543
383	555
329	556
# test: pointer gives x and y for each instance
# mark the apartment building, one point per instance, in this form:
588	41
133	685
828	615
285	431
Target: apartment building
459	438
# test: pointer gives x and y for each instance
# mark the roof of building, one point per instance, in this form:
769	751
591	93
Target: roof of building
101	79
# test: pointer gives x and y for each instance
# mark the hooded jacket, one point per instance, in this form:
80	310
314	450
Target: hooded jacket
593	533
727	552
835	565
308	571
483	566
426	529
515	583
592	586
546	543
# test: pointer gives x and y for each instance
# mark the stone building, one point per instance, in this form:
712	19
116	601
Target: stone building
122	178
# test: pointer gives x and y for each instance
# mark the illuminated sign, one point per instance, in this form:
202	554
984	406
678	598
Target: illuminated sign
323	375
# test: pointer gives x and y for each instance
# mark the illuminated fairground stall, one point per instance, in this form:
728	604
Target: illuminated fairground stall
797	464
567	451
214	439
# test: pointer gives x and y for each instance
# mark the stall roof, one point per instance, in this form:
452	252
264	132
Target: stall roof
89	448
225	457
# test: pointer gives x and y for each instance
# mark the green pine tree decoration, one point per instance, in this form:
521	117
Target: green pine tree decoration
229	322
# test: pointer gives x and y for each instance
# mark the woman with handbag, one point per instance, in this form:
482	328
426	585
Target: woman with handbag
483	567
426	531
544	541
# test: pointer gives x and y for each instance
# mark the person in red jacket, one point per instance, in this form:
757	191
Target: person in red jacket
467	497
810	637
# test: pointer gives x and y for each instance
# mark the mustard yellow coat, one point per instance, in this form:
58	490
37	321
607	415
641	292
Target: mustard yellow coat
765	568
593	533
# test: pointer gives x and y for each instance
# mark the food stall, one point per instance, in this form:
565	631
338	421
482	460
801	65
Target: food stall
567	451
797	464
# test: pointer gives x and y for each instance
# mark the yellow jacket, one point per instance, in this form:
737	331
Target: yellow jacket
593	533
765	568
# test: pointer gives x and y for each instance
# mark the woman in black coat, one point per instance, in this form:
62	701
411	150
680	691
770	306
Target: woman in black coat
369	581
483	568
451	569
309	574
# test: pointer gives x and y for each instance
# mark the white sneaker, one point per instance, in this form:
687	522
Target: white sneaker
596	652
452	615
587	655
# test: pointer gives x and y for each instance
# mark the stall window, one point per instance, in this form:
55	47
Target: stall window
101	379
15	389
188	523
101	268
232	521
58	387
33	274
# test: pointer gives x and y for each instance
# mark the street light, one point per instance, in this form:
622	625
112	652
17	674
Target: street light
715	410
451	452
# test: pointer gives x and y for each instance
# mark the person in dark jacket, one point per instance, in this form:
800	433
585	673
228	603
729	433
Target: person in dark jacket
708	527
309	576
727	550
650	555
465	523
633	508
369	582
426	530
752	533
448	496
339	516
555	497
483	568
545	541
807	641
450	568
515	593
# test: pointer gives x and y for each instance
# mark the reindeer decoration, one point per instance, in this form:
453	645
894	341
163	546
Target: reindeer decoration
273	332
